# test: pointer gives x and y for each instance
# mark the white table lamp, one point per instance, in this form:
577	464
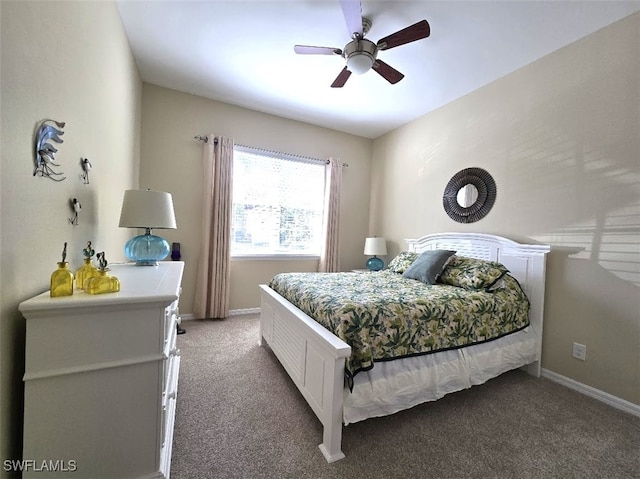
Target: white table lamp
375	246
147	209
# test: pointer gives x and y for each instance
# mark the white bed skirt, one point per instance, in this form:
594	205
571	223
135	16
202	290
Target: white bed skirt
393	386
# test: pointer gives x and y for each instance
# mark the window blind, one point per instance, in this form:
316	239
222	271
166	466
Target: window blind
278	203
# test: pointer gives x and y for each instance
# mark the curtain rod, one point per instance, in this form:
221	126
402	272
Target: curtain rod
205	139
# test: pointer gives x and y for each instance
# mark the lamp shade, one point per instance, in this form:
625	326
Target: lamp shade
147	209
375	246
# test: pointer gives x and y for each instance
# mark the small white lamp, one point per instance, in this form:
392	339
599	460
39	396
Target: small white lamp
375	246
147	209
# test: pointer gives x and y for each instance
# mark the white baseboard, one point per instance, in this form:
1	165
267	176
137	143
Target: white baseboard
607	398
233	312
238	312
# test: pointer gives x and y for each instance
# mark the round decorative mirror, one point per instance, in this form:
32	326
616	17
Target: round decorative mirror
469	195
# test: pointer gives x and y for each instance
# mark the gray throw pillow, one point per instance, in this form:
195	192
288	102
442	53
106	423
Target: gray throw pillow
428	266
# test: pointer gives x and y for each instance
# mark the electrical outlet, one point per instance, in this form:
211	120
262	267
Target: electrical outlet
580	351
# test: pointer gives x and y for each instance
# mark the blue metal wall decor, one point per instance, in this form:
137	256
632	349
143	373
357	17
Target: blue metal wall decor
45	151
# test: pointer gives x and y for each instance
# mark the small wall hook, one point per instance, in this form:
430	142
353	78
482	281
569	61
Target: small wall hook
76	207
86	167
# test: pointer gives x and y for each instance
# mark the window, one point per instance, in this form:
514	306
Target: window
277	204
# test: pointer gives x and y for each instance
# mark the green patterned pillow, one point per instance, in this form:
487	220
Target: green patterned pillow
400	263
472	273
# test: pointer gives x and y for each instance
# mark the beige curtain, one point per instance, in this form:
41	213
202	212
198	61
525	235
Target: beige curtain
329	258
213	278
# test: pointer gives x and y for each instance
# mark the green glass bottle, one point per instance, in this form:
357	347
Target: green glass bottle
102	283
87	270
62	278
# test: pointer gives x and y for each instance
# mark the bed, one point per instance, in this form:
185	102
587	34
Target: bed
344	384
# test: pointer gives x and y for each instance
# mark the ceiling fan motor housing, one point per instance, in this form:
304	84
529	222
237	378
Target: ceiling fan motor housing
360	55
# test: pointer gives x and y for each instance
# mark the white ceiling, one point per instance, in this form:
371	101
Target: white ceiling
241	52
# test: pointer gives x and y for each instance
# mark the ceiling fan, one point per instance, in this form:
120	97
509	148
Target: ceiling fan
360	53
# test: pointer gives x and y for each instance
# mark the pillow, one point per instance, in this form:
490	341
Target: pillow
428	266
472	273
401	262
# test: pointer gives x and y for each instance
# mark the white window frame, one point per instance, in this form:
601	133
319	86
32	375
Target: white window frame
285	255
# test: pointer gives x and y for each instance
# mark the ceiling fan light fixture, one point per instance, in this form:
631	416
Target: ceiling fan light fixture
360	55
360	62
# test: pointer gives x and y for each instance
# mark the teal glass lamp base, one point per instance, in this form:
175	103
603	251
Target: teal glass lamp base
375	264
147	249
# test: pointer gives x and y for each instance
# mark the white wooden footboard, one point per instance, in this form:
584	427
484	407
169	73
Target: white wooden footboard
315	360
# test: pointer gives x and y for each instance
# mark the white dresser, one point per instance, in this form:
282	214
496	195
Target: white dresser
101	377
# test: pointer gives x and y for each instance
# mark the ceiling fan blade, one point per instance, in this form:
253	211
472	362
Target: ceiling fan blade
309	50
410	34
352	12
341	79
390	74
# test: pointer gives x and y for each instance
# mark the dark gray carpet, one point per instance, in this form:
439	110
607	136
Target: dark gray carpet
240	416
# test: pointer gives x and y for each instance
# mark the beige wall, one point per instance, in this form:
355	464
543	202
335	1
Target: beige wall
561	137
69	61
171	160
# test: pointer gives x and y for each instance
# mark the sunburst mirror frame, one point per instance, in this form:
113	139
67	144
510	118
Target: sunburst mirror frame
486	188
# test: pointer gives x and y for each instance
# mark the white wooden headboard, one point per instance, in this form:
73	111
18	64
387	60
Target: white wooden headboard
525	262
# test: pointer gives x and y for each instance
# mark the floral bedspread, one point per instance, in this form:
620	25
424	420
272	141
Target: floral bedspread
384	316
